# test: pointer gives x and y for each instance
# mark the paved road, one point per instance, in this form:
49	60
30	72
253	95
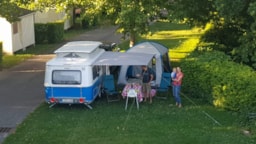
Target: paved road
21	87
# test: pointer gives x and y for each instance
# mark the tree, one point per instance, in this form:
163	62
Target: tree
193	12
132	19
246	51
132	16
9	11
234	24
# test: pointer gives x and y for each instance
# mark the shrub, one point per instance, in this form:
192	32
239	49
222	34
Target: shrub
55	32
41	33
49	32
89	20
225	36
213	77
85	23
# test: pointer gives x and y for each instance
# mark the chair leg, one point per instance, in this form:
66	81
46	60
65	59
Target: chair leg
135	99
138	107
126	103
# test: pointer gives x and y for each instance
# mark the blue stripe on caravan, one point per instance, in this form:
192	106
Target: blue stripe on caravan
89	93
70	92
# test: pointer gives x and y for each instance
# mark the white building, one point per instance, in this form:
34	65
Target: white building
17	35
51	15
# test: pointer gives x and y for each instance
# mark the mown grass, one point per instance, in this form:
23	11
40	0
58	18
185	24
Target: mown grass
160	122
9	61
109	123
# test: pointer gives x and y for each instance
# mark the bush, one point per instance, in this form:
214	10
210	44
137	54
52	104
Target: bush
55	32
41	33
89	21
213	77
85	23
49	32
225	36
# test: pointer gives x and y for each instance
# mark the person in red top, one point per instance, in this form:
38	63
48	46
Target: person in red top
176	86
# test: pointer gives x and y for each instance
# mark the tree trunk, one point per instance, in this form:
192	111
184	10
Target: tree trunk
132	39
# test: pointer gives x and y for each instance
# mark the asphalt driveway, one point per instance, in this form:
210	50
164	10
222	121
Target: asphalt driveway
21	87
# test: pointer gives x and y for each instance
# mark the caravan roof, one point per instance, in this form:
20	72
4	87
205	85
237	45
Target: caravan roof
79	47
77	53
69	61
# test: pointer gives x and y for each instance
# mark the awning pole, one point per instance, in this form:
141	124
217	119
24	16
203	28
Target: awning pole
107	70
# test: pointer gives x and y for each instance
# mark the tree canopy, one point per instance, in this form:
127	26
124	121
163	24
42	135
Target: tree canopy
132	16
9	10
233	21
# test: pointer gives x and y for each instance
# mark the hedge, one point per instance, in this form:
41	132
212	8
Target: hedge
49	32
55	32
41	33
213	77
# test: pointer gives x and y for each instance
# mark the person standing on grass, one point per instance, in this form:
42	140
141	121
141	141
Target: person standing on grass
176	85
147	77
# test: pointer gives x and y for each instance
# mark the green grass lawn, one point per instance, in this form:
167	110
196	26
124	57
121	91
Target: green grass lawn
157	123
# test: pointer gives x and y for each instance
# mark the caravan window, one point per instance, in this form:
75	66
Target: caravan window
66	77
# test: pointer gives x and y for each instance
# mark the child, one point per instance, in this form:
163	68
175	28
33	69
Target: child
173	74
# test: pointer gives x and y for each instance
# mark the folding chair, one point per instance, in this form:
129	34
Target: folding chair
109	88
132	94
164	85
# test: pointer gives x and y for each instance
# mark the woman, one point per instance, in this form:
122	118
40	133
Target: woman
176	86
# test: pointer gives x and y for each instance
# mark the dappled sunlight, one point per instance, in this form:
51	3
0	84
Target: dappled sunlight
219	102
184	49
181	42
175	34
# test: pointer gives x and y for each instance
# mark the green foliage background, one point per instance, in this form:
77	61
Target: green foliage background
213	77
49	32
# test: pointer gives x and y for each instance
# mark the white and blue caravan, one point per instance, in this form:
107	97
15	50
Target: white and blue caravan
71	77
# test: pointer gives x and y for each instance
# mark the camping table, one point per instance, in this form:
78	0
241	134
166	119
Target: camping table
135	84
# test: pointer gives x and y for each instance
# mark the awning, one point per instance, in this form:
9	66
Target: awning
119	59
